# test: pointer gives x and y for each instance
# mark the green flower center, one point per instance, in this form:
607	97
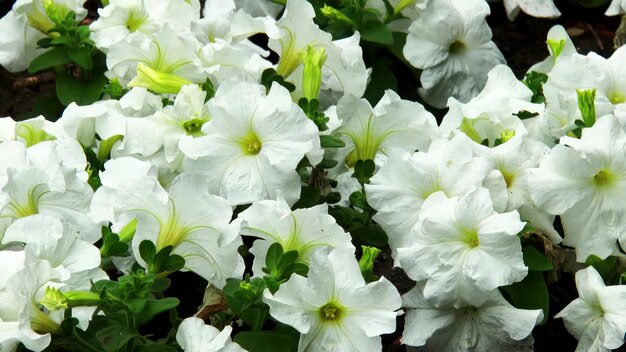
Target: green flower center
135	21
603	178
250	144
617	98
470	237
456	47
193	127
331	312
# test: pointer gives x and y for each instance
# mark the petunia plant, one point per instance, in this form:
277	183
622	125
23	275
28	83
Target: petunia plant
301	175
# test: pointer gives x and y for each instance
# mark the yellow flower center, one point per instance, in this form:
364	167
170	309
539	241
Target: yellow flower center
331	312
250	144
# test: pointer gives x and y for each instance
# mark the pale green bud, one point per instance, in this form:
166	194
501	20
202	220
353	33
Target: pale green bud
333	13
158	82
56	12
506	135
313	60
556	47
586	105
53	299
366	263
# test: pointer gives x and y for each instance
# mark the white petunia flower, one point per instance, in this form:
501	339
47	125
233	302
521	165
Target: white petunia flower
451	42
464	249
514	160
303	230
392	123
28	22
194	335
120	18
494	325
491	114
617	7
584	181
401	186
343	71
333	309
598	317
535	8
21	317
162	62
190	219
47	178
253	143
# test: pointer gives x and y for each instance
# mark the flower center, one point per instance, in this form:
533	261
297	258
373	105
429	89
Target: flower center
135	20
193	127
603	178
456	47
470	237
250	144
330	312
617	98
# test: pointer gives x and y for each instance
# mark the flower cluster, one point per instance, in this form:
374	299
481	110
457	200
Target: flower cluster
267	169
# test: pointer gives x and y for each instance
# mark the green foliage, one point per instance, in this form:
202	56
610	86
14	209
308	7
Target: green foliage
162	261
79	66
530	293
607	268
535	260
270	76
535	81
310	108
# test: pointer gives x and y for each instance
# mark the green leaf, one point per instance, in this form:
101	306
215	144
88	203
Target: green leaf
383	78
327	163
173	263
534	81
607	268
530	293
266	341
371	235
79	90
274	253
155	307
82	57
376	32
309	197
331	142
363	170
54	57
535	260
147	250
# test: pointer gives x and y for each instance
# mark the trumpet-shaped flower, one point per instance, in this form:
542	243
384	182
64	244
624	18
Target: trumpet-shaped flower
491	114
21	318
164	60
406	180
333	309
598	317
29	22
120	18
535	8
194	335
344	69
49	179
583	181
182	120
464	249
303	230
191	220
253	143
391	123
451	42
494	325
